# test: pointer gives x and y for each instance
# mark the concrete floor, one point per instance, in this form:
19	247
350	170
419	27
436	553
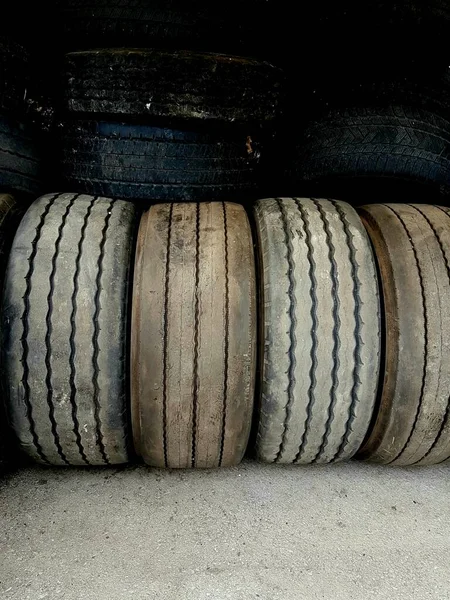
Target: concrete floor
348	532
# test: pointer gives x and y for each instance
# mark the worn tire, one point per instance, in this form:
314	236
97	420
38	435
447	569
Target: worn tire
65	330
193	335
10	215
392	144
155	163
412	245
320	322
14	76
19	159
184	85
197	24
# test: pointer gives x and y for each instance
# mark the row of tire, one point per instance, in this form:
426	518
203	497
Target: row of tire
167	335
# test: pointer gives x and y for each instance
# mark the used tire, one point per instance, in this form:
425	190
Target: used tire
184	85
412	246
396	144
19	160
10	214
193	335
320	322
156	163
65	330
14	76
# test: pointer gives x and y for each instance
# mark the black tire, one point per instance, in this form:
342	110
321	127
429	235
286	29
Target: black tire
412	246
193	344
153	163
65	330
19	160
194	25
320	331
351	149
184	85
14	77
10	215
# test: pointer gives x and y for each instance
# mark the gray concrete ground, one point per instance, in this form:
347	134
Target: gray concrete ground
349	531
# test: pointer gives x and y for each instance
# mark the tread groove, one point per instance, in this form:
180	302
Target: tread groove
196	335
166	333
314	327
73	388
98	307
357	332
425	319
227	341
291	332
48	335
336	328
24	339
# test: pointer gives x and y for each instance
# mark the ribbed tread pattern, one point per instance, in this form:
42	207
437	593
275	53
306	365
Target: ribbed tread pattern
178	84
64	357
148	163
397	142
193	361
412	243
19	162
321	360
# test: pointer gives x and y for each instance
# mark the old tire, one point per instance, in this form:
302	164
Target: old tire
193	335
412	245
391	145
185	85
14	76
320	322
19	159
156	163
65	330
10	215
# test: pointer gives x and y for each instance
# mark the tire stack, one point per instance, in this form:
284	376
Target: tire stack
148	315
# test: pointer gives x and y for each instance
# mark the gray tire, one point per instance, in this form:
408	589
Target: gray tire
193	351
412	244
64	328
321	331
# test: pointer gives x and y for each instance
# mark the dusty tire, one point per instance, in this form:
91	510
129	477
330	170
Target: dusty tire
19	160
155	163
193	335
320	331
183	85
395	145
10	214
64	328
412	245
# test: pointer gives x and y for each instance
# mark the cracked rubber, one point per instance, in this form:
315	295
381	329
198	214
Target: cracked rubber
10	215
193	347
412	246
185	85
65	330
396	143
157	163
320	338
19	160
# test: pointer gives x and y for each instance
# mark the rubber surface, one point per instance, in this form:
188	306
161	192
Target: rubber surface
172	84
396	143
65	330
320	320
19	158
193	335
412	244
10	214
155	163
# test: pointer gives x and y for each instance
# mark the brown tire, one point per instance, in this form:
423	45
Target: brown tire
193	335
412	245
